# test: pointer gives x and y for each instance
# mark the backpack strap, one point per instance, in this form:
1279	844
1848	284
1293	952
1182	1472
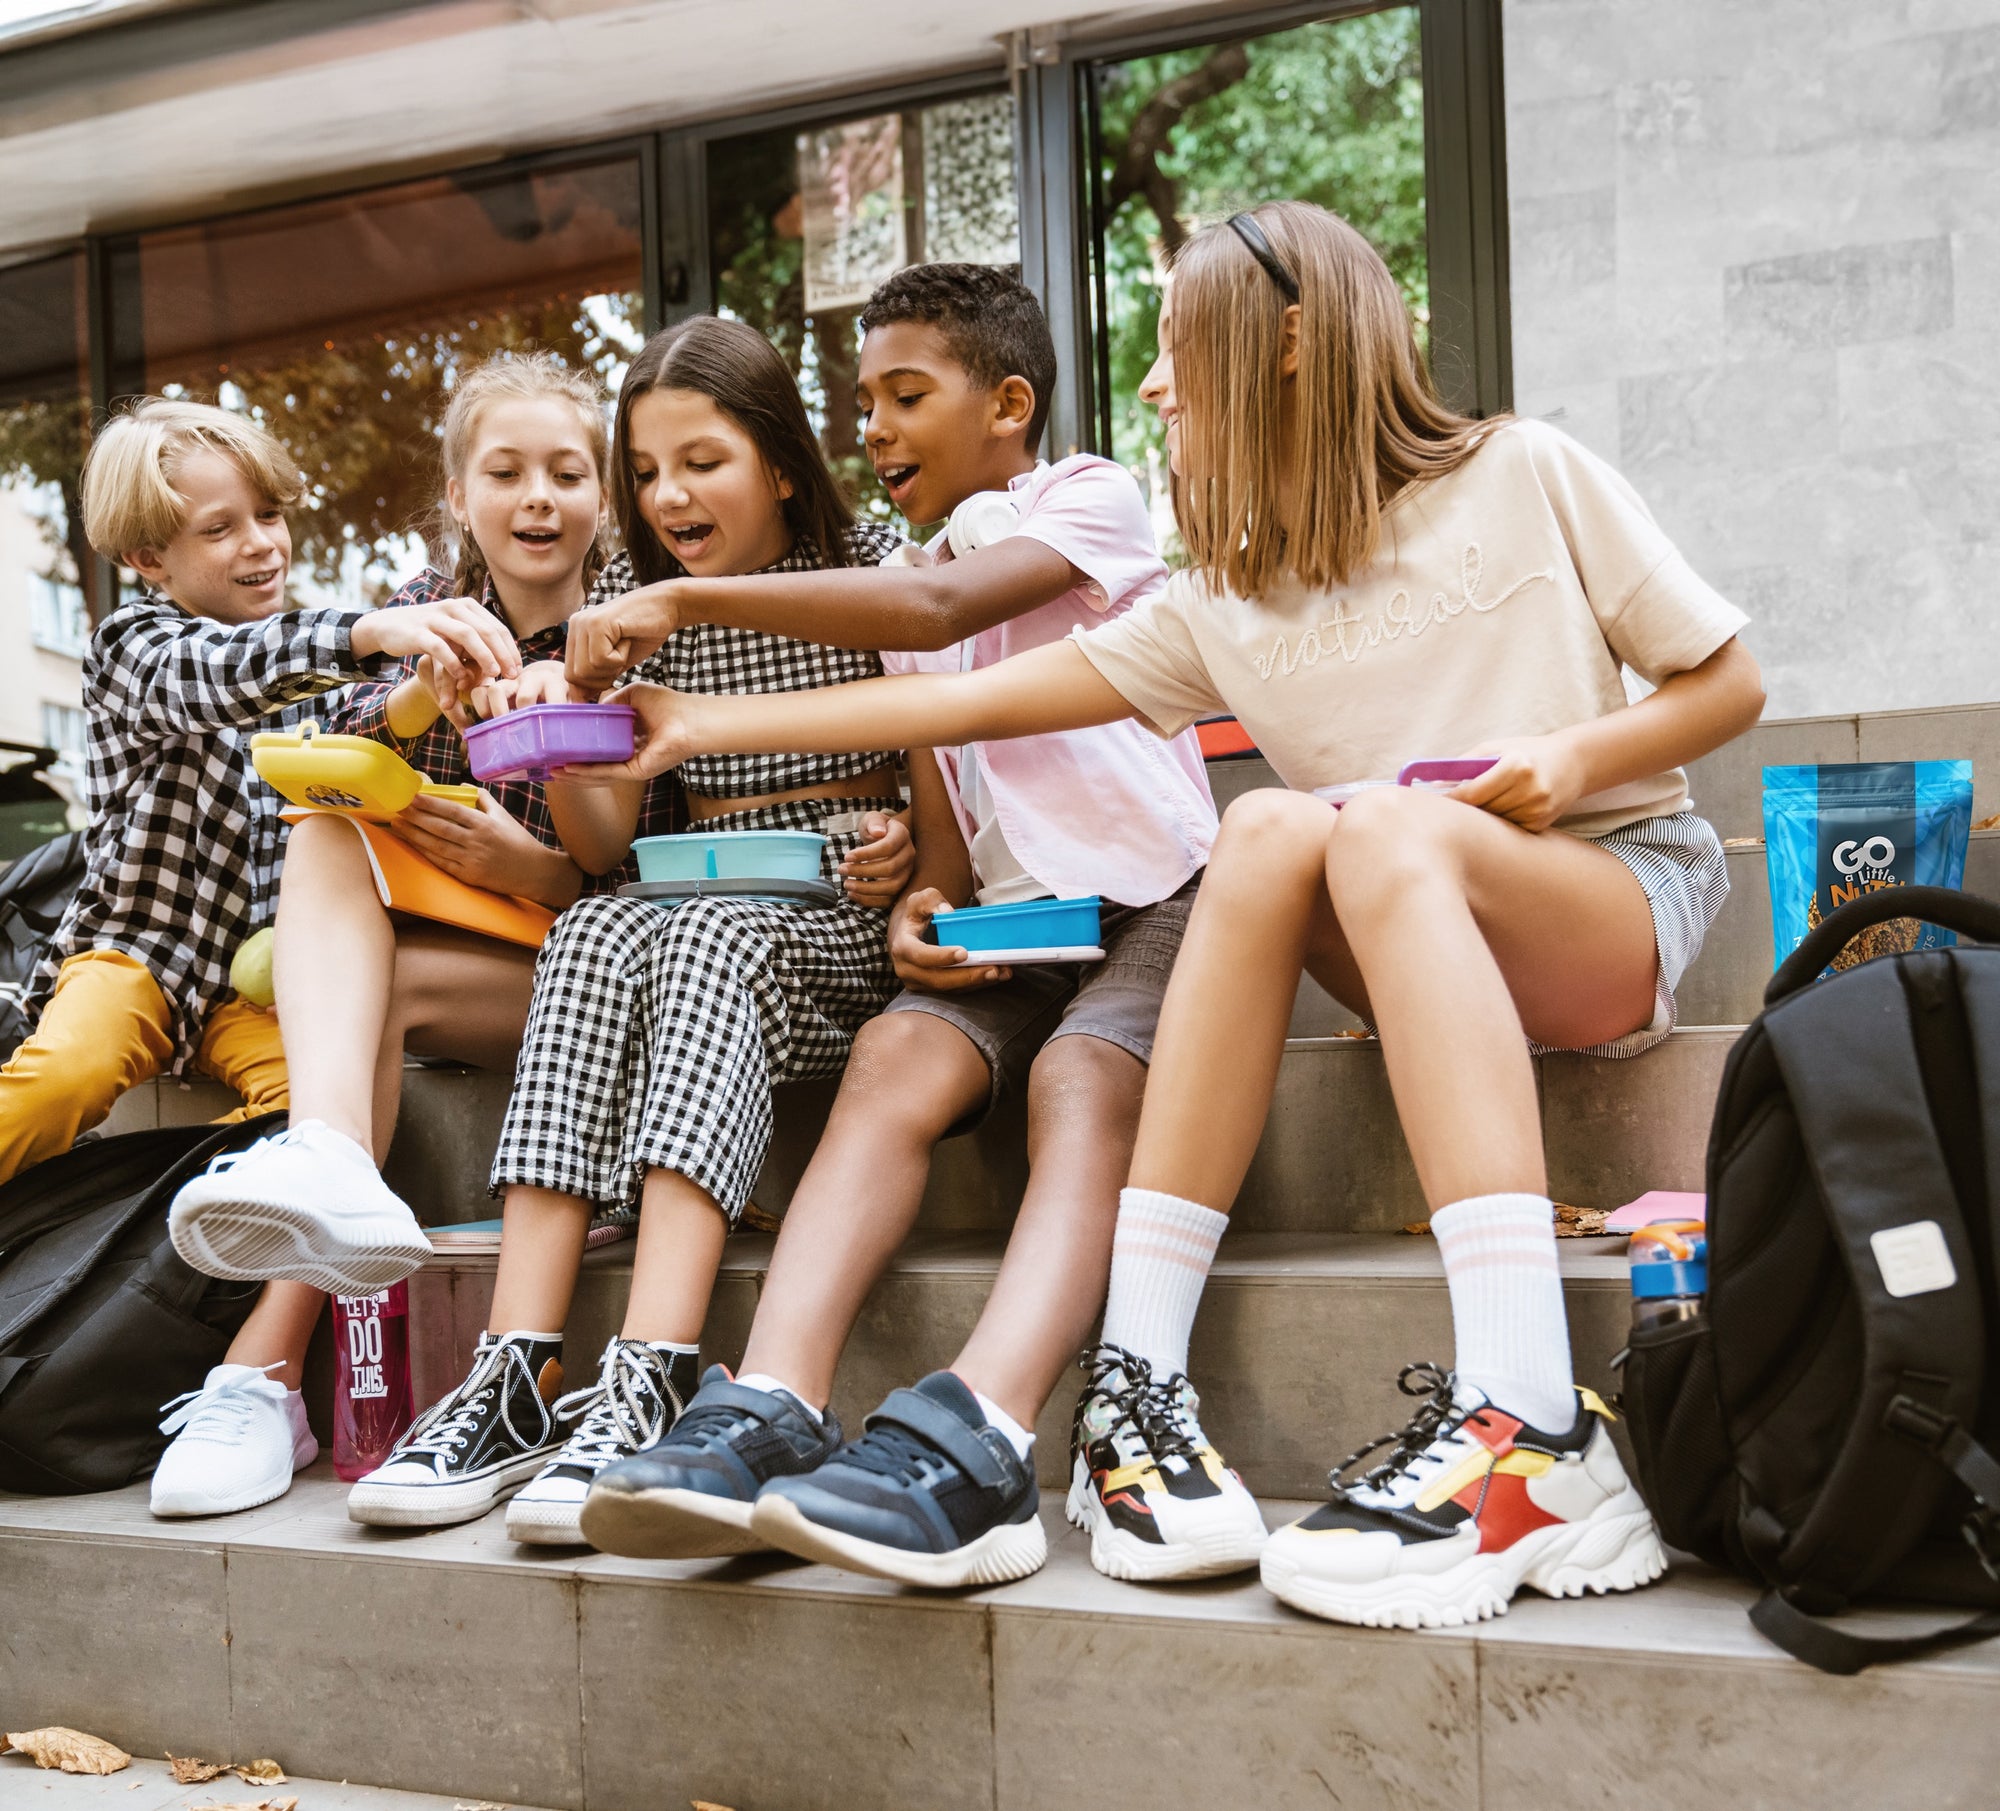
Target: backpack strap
1848	1057
1819	1644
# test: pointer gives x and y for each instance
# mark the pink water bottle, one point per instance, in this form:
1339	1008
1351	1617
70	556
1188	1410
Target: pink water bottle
372	1403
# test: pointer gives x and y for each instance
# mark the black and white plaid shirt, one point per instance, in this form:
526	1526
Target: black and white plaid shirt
184	841
714	660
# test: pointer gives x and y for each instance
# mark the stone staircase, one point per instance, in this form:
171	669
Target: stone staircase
454	1662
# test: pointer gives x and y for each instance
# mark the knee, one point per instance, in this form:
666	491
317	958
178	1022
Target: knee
893	1071
1270	834
1389	842
1089	1081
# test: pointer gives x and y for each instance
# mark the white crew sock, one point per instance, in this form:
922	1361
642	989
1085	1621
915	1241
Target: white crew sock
1159	1261
763	1380
1018	1437
1507	1314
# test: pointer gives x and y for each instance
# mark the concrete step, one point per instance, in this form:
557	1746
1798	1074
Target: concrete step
1332	1158
1295	1351
454	1661
148	1785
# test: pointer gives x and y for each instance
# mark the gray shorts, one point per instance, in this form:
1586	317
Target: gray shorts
1117	999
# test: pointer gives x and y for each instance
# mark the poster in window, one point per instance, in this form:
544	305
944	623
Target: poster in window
851	183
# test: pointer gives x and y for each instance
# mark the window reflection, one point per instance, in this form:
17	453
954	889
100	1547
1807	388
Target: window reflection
1330	112
341	324
804	225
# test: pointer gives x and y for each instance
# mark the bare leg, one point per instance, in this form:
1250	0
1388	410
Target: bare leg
335	968
1468	930
541	1251
279	1329
910	1077
679	1250
1083	1114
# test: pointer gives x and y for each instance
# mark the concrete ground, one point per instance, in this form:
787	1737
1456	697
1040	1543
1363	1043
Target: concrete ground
149	1786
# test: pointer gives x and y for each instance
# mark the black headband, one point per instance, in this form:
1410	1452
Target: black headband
1252	235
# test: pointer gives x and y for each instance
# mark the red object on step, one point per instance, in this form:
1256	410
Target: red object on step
372	1401
1223	739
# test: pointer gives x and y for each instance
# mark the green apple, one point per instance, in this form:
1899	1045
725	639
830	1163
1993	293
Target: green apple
250	972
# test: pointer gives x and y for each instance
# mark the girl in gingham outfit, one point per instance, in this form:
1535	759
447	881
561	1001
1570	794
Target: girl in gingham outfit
657	1033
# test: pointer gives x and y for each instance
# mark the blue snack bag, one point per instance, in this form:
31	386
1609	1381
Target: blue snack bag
1832	833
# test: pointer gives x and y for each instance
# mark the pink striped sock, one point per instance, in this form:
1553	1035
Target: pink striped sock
1507	1305
1159	1262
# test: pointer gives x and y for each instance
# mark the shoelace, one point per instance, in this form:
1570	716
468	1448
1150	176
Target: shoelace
222	1408
1441	1414
299	1134
1151	1404
624	1411
444	1428
894	1452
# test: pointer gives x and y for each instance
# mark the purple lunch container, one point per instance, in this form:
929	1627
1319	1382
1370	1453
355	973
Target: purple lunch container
531	742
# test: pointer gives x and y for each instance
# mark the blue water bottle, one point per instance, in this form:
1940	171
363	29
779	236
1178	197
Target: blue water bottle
1669	1273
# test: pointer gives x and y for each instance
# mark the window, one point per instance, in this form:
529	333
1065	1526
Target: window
341	325
1331	111
57	619
44	423
63	729
804	224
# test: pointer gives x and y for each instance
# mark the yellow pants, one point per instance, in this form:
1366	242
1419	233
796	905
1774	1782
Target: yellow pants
107	1027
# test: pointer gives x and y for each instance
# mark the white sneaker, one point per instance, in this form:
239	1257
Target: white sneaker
237	1441
305	1206
639	1394
1145	1484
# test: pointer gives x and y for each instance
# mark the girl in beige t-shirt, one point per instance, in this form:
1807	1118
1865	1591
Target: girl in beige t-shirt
1373	579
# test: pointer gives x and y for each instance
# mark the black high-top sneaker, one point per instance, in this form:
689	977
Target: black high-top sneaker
639	1394
476	1446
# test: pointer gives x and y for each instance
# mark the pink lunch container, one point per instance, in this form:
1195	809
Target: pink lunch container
531	742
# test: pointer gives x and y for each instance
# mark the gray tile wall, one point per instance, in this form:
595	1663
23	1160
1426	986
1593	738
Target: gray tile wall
1756	264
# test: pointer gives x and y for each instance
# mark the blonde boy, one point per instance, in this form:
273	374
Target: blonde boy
183	843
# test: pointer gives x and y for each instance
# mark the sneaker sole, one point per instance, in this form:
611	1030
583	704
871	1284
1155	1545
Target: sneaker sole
186	1504
1011	1551
668	1524
541	1524
1618	1551
265	1241
1118	1554
441	1505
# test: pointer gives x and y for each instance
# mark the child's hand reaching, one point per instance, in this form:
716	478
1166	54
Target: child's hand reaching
465	643
1535	780
933	968
660	735
879	869
541	682
612	638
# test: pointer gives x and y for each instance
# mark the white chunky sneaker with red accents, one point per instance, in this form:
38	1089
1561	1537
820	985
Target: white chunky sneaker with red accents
1471	1505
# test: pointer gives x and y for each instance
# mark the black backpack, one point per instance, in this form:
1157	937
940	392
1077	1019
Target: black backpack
100	1321
35	891
1827	1426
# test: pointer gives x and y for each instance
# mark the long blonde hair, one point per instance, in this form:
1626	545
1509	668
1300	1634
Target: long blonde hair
1366	421
512	377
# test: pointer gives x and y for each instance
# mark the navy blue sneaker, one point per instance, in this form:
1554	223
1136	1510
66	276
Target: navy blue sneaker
930	1495
688	1496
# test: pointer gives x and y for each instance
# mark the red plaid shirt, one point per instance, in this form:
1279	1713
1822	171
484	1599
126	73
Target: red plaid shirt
439	752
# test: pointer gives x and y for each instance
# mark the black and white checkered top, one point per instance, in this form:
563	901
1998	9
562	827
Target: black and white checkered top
714	660
184	842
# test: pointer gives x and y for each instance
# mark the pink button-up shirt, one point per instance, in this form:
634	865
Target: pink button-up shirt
1111	810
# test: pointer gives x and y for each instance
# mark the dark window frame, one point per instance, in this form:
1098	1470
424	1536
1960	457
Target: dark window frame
1465	191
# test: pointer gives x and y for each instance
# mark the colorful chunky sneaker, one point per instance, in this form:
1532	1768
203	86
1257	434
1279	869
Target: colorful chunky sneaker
639	1390
476	1446
689	1495
237	1441
1146	1486
1470	1506
931	1494
306	1205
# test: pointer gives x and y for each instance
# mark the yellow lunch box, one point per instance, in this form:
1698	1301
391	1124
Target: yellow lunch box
344	773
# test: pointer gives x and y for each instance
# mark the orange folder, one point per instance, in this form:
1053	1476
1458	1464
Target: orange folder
406	882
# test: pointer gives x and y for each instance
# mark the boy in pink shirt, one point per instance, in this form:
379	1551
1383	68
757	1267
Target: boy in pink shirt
940	1490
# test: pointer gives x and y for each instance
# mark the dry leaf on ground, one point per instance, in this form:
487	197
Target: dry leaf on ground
1580	1222
702	1804
1989	823
70	1750
258	1773
484	1804
190	1770
251	1804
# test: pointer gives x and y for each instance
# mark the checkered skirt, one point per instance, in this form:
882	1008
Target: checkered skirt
657	1033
